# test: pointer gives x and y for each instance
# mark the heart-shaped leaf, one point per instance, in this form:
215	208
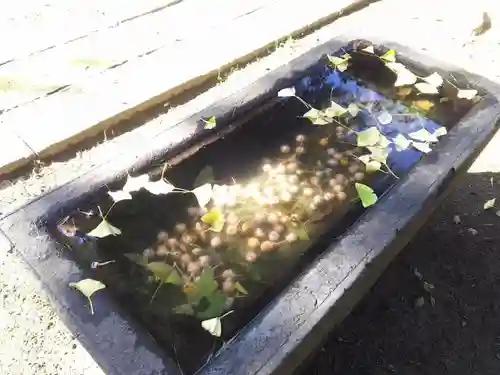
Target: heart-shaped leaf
165	273
401	142
214	218
104	229
317	117
213	326
368	137
434	79
404	76
335	110
353	109
439	132
210	123
379	154
423	135
466	94
489	204
88	287
426	88
389	56
159	187
422	147
340	63
366	195
369	49
203	194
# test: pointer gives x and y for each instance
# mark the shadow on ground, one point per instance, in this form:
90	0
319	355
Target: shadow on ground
436	309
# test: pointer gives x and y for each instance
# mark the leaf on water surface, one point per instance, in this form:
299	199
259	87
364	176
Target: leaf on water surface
240	288
384	118
439	132
401	142
389	56
456	219
301	233
340	63
353	109
159	187
88	287
379	154
422	105
206	176
286	92
423	135
422	147
135	183
104	229
368	137
373	166
365	158
404	75
119	195
203	194
165	273
317	117
214	325
366	195
210	123
466	94
214	218
335	110
426	88
434	79
489	204
369	49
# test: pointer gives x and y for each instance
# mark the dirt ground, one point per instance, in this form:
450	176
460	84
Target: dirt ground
434	311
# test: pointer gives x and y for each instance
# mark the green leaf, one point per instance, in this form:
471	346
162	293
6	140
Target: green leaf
214	218
366	194
210	123
369	49
203	287
353	109
165	273
240	288
423	135
203	194
340	63
216	305
317	117
426	88
379	154
368	137
301	233
389	56
401	142
489	204
373	166
335	110
88	287
104	229
422	147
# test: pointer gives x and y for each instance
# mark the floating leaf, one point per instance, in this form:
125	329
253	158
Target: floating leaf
286	92
119	195
88	287
422	147
484	26
135	183
341	63
373	166
210	123
489	204
104	229
159	187
426	88
213	326
422	105
423	135
240	288
335	110
368	137
439	132
206	176
366	194
404	76
203	194
389	56
369	49
165	273
379	154
214	218
401	142
434	79
317	117
466	94
384	118
365	158
456	219
353	109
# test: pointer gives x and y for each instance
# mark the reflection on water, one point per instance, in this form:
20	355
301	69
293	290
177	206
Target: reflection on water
278	185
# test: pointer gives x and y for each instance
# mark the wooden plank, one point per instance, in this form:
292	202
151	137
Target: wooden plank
69	117
71	64
42	24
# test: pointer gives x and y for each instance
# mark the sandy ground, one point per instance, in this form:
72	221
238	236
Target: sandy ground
34	340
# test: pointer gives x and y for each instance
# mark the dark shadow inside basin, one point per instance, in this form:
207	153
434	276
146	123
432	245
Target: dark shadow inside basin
274	141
